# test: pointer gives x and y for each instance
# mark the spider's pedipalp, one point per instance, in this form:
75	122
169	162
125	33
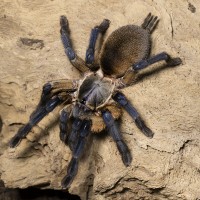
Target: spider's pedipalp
75	60
159	57
76	153
36	117
113	130
64	118
90	57
123	101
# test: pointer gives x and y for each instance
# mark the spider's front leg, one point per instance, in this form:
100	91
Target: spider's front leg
76	153
53	94
92	42
38	115
123	101
116	135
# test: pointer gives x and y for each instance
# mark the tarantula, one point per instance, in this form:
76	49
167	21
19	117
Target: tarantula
94	102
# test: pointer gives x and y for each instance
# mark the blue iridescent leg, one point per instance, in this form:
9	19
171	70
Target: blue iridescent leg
116	135
76	154
123	101
69	51
93	38
150	22
73	136
64	119
159	57
36	117
54	87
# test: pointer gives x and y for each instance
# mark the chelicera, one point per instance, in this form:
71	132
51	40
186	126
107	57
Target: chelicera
94	102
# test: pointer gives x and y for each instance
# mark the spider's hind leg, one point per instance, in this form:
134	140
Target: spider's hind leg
75	60
171	62
150	23
90	57
130	74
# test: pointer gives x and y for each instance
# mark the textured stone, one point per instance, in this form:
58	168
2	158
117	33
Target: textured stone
165	167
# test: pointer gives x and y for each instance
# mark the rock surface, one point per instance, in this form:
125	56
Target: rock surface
165	167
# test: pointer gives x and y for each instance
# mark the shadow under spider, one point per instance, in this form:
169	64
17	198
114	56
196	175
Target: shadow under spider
31	146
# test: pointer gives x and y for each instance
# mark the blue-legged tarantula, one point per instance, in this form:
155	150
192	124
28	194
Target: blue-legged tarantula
94	102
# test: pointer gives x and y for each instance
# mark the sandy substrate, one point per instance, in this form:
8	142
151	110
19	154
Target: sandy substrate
165	167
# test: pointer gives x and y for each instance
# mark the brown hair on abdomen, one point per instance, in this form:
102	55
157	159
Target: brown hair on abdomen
124	47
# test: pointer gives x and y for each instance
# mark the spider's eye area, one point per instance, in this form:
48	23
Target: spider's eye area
120	98
83	101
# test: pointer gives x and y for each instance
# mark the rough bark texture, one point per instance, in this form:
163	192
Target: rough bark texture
165	167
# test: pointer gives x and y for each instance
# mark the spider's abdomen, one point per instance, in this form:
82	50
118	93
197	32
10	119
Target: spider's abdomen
95	91
124	47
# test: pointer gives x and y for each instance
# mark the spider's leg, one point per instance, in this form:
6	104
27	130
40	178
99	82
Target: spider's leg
54	87
90	53
146	21
37	116
116	135
64	118
154	59
74	59
73	136
131	72
150	23
123	101
76	154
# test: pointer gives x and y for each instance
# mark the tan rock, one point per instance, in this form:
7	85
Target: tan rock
165	167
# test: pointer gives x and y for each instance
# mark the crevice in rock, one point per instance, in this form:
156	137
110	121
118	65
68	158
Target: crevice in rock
32	43
112	187
34	194
156	190
172	28
90	187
